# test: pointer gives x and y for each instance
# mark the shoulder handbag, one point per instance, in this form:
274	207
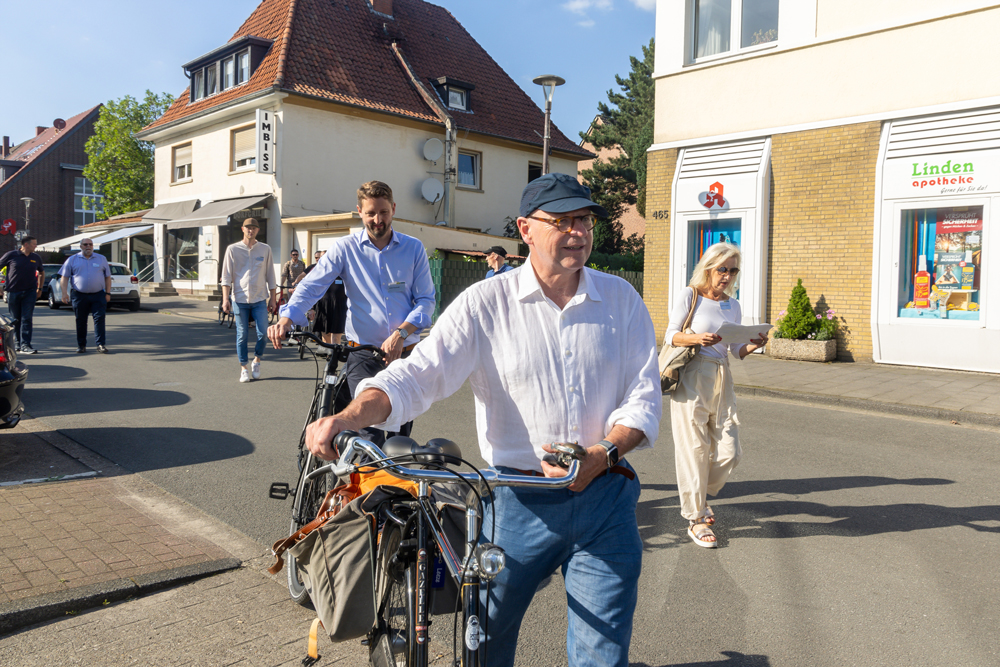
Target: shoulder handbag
673	359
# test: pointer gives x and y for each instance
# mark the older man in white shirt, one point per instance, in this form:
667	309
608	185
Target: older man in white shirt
248	276
554	352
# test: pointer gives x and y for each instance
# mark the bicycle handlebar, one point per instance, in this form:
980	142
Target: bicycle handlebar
353	446
335	346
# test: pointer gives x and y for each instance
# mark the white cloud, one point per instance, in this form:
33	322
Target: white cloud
583	6
648	5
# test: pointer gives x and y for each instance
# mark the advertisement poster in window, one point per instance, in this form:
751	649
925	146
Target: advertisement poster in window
958	249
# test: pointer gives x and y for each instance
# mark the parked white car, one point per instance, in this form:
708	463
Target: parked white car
124	288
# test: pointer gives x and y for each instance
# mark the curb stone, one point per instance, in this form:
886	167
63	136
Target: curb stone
20	613
869	405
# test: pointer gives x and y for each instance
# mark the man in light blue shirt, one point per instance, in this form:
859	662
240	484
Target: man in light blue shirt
388	283
91	278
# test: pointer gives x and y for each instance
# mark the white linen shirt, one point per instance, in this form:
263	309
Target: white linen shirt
539	374
249	271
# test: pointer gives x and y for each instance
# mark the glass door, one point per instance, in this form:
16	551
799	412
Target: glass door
704	233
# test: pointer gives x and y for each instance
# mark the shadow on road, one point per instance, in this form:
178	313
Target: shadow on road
144	449
47	373
732	659
47	402
784	518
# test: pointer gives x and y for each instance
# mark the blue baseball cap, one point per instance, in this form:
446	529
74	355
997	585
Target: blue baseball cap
557	193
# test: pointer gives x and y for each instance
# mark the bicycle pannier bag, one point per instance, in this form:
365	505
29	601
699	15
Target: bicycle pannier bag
674	359
336	564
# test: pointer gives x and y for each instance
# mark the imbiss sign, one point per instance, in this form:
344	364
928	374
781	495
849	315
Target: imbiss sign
266	132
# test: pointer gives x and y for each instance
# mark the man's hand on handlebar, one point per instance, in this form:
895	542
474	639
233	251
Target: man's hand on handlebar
320	435
278	331
595	463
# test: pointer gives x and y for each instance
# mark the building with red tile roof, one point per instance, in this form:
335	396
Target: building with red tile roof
48	169
356	90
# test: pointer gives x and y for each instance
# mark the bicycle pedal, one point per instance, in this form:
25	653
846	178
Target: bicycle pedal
280	491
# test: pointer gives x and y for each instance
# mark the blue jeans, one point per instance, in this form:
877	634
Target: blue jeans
21	306
243	312
593	536
89	304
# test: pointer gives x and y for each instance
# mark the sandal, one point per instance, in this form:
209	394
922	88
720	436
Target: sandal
709	517
699	531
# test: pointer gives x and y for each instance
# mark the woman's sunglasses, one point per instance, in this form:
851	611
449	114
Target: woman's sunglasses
724	270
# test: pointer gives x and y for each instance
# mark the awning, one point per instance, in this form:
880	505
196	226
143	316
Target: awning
216	213
116	235
172	211
56	246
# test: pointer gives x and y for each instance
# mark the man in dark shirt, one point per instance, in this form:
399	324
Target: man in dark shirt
25	275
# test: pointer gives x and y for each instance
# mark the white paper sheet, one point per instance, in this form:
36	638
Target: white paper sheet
741	334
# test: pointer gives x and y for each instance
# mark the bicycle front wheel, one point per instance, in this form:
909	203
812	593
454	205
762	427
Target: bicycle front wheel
395	590
309	496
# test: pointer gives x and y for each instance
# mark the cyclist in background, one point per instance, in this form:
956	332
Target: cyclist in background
555	352
386	278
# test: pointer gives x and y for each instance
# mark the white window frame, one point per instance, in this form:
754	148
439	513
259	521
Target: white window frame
97	208
198	84
228	78
251	159
464	94
477	158
189	174
735	34
240	79
213	68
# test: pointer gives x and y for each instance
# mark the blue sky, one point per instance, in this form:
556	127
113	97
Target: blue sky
74	55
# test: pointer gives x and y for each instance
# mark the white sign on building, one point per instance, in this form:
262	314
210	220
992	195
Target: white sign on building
266	131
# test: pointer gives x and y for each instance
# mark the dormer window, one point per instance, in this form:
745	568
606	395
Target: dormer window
226	67
455	94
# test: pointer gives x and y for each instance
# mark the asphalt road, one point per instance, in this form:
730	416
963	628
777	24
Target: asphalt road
844	538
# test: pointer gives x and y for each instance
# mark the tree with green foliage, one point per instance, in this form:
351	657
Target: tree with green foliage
119	165
626	124
799	321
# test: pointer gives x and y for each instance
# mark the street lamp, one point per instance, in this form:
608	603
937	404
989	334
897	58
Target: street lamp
548	82
27	204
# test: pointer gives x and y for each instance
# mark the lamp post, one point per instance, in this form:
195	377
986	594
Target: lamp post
27	204
548	82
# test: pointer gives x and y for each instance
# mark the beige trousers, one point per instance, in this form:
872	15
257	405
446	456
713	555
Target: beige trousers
706	432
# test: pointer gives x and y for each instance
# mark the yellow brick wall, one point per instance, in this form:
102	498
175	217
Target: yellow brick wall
660	168
820	228
822	219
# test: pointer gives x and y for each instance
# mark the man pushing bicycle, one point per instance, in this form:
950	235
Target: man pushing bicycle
387	279
555	352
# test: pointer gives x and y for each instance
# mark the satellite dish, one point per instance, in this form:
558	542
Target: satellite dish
431	190
433	149
59	124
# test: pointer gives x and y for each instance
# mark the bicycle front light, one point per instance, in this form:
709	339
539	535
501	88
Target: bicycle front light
491	560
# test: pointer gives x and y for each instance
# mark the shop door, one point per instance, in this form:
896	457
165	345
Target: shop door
704	233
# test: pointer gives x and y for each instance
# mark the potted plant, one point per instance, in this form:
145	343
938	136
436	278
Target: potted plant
803	334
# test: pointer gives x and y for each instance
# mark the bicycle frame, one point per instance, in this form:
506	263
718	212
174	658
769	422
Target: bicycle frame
465	571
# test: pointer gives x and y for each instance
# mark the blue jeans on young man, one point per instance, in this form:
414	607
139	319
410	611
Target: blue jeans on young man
594	538
21	306
85	304
243	313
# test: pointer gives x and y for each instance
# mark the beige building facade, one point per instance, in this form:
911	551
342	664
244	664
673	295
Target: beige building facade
846	143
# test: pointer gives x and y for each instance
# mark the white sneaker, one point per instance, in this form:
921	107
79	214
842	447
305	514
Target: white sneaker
255	369
244	375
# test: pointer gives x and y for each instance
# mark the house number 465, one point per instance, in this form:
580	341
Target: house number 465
661	215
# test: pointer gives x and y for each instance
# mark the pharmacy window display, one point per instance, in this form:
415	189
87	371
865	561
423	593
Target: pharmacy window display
940	263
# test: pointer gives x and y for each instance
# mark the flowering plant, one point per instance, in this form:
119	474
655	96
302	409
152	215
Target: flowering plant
800	322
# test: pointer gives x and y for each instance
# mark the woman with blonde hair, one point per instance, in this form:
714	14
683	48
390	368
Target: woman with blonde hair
703	404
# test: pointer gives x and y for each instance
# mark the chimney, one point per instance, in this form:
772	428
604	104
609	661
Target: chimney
5	151
382	6
39	129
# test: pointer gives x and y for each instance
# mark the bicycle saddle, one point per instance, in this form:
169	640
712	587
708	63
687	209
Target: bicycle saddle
438	451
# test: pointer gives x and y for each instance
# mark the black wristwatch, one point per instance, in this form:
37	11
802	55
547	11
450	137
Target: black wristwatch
612	451
403	333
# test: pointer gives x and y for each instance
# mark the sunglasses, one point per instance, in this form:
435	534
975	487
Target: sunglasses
86	245
724	270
